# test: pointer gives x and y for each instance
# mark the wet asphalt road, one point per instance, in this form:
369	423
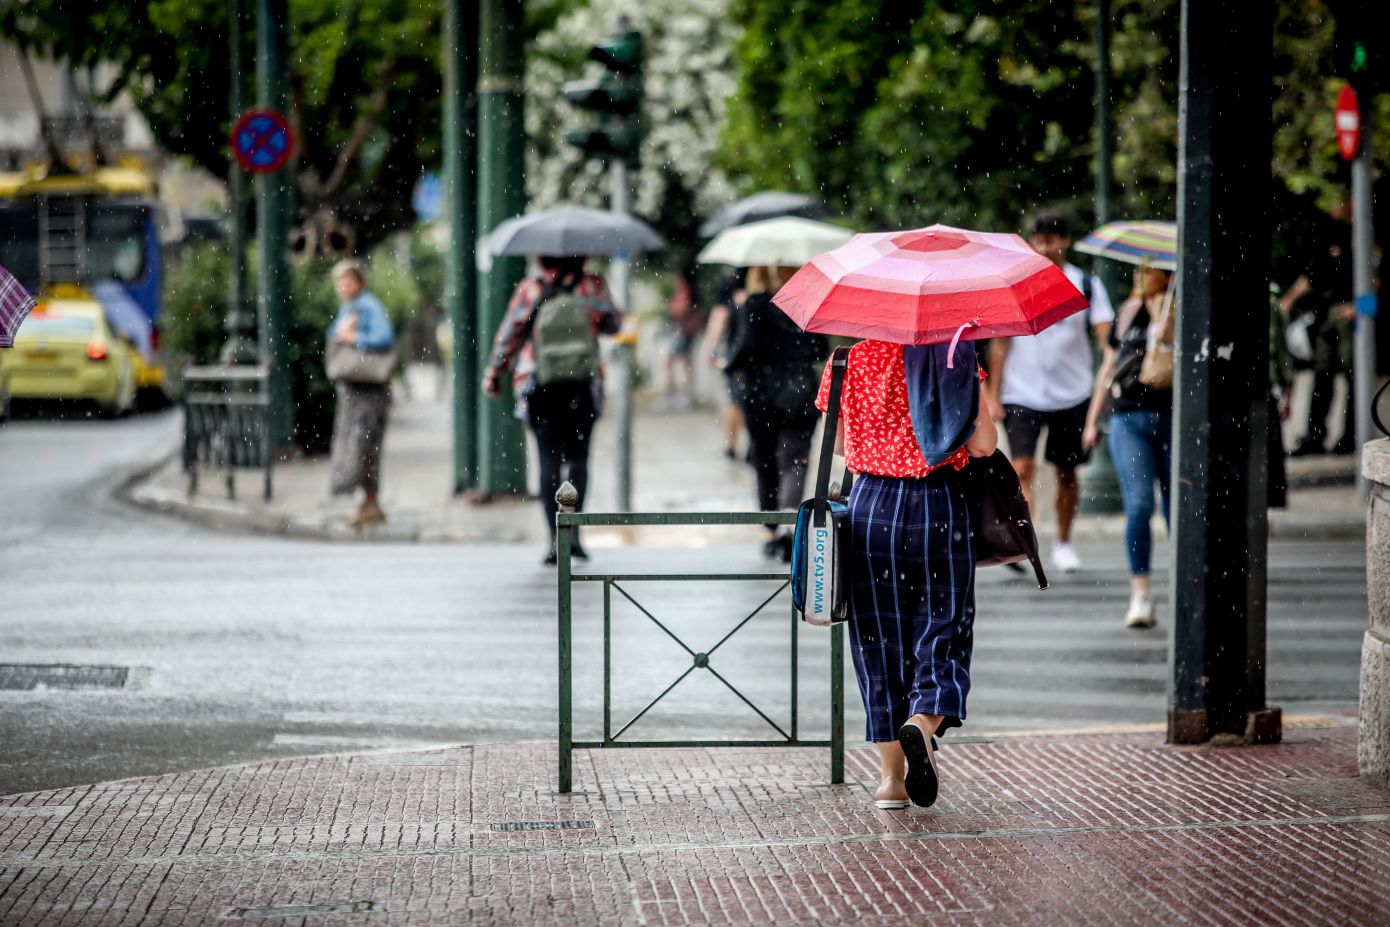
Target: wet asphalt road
238	648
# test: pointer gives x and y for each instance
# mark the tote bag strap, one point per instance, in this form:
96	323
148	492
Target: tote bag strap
839	362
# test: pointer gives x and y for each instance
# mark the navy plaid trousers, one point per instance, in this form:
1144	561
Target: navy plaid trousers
912	606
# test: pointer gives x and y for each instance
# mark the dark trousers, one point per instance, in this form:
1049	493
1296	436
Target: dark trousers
779	451
562	416
1324	382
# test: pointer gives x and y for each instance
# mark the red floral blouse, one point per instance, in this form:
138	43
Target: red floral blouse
876	417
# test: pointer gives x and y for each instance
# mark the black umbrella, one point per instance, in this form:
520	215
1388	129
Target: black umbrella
766	205
572	231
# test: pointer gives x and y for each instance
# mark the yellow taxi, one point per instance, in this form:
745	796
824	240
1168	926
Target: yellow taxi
66	350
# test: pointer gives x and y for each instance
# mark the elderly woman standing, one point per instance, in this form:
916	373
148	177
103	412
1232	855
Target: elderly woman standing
359	423
909	421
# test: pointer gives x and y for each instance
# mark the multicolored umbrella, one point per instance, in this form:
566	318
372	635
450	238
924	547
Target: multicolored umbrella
15	303
1149	242
930	286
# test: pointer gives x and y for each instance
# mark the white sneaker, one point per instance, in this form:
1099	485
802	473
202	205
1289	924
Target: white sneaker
1064	558
1141	612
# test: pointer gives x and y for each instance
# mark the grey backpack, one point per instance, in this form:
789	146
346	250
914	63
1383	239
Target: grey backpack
565	347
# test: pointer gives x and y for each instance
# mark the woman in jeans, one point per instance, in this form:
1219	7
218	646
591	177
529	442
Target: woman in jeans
1141	427
779	364
908	424
560	414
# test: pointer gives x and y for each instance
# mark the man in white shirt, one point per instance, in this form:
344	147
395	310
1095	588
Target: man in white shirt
1045	380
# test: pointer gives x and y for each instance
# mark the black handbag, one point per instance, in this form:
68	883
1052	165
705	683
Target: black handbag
999	515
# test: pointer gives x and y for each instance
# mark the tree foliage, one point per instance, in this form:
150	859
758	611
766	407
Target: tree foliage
364	87
973	113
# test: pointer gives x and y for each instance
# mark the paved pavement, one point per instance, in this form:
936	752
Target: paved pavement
1038	830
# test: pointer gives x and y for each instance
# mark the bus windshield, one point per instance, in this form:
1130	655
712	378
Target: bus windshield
114	234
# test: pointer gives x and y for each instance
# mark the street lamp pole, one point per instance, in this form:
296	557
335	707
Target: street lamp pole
274	207
1217	652
501	195
460	183
241	346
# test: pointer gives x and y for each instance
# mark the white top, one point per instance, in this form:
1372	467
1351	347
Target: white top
1051	370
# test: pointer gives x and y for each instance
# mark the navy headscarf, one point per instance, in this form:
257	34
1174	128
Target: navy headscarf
944	400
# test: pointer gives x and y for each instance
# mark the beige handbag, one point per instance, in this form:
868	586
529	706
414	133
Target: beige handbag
345	362
1157	370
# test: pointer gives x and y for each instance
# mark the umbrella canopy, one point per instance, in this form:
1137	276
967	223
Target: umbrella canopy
766	205
930	286
572	231
788	241
1152	243
15	303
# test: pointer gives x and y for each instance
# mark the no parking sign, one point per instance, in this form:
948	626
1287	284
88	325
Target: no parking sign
262	141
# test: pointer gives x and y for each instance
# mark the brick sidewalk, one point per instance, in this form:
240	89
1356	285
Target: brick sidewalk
1081	829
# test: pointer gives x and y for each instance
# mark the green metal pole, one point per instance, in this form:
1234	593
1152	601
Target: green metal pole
1100	487
460	181
837	704
241	346
274	209
501	195
563	535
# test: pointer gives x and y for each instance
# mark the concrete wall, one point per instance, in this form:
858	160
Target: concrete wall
1373	752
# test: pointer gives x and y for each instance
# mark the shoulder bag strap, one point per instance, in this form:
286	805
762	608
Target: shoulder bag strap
839	361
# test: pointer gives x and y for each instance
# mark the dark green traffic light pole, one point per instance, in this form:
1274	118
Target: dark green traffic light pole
241	346
460	184
1221	390
1100	488
275	207
501	195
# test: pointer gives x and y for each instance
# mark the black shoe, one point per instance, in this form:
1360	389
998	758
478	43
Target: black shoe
921	781
1015	567
1307	448
785	546
578	552
1343	447
730	453
551	558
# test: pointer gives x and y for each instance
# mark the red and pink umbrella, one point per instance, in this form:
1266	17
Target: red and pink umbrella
929	286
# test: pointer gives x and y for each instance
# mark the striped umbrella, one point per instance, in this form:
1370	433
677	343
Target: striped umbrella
929	286
1152	243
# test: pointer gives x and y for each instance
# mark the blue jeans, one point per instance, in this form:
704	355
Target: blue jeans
1141	444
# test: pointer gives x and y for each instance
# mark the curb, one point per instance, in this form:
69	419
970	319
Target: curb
132	489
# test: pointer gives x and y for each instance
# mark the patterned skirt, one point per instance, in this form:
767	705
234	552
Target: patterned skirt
359	427
912	605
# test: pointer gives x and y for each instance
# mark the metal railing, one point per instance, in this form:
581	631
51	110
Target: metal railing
566	522
226	422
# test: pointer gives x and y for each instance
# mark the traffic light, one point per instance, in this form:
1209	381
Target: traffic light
1359	47
614	96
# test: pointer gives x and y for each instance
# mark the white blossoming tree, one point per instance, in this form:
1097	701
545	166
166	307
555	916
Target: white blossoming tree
688	75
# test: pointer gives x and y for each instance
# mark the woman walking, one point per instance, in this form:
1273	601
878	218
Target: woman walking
778	363
548	342
910	419
359	420
1141	426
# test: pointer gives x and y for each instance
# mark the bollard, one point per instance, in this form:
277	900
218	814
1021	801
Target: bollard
1373	747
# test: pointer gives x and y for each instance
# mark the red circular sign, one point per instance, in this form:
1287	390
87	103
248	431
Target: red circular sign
262	141
1347	119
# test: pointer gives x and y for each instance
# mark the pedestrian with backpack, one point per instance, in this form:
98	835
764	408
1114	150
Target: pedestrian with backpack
548	342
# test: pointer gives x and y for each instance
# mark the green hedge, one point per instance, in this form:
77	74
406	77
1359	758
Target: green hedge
195	310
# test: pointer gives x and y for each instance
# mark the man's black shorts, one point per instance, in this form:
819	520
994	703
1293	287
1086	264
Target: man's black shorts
1064	427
